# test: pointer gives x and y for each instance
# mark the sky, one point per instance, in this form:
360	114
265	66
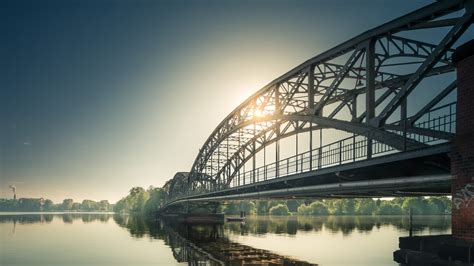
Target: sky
100	96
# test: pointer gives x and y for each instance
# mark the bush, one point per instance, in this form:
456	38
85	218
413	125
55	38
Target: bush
279	209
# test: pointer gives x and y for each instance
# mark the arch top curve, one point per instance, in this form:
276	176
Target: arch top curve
324	91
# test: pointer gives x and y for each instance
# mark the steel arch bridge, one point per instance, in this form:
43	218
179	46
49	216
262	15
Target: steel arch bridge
364	95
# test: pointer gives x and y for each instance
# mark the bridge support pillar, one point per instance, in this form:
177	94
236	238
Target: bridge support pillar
462	155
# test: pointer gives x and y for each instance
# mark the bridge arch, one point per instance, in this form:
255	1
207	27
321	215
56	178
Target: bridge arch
327	91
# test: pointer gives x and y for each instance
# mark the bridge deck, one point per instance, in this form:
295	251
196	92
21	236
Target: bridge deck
416	172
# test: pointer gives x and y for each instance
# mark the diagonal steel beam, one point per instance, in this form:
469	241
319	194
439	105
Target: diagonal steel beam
394	140
337	81
422	131
433	102
455	32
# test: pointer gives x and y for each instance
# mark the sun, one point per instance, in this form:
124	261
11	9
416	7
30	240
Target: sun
258	113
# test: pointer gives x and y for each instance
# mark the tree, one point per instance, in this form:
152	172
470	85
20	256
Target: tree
336	207
304	210
415	204
140	201
248	207
293	205
280	209
349	206
232	208
318	208
136	191
156	200
430	207
67	205
122	206
398	201
396	209
365	206
447	204
103	205
27	204
385	208
48	205
274	203
262	207
135	201
88	205
76	206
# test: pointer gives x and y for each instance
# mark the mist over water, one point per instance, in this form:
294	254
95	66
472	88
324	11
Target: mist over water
108	239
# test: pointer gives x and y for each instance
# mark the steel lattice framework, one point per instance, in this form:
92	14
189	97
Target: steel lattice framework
378	70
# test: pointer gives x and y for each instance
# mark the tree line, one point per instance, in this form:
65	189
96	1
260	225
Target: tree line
357	206
149	201
47	205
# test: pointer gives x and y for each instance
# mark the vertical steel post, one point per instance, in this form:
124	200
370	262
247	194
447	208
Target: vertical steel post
264	162
243	167
253	153
310	146
403	118
227	158
212	168
311	87
219	165
354	117
320	151
277	153
296	150
277	143
311	106
340	152
238	140
370	89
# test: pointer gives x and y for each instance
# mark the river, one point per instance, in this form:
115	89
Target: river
108	239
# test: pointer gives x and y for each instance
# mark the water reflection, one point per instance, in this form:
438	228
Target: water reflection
335	224
202	244
215	244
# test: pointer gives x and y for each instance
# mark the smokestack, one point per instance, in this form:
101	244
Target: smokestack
14	191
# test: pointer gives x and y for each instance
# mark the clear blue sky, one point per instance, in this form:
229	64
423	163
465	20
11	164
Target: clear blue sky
98	96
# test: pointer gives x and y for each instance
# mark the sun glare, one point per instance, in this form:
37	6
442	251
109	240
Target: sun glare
258	113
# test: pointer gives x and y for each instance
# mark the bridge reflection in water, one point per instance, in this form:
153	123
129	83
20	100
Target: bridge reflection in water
204	244
217	244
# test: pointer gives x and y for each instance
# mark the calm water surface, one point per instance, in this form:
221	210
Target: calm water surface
107	239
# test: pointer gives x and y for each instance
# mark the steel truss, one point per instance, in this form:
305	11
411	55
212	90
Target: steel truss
378	70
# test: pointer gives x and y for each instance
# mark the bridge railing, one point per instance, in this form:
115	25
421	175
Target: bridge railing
351	149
